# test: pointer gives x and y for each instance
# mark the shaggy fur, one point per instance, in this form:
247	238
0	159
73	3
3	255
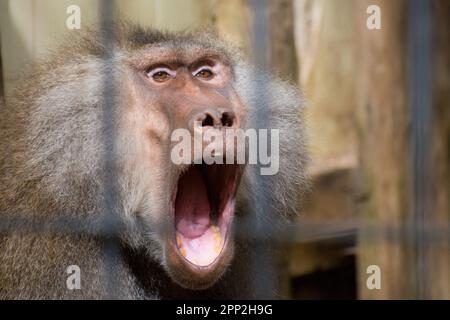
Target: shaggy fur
54	179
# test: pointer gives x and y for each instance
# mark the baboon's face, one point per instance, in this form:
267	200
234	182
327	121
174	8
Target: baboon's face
188	209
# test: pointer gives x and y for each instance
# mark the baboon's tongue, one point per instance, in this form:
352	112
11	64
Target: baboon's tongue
192	208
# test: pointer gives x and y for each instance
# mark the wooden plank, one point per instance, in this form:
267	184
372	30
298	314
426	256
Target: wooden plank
324	35
334	197
29	28
383	123
282	52
439	250
16	43
181	14
232	20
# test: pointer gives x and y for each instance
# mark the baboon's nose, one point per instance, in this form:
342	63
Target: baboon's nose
211	117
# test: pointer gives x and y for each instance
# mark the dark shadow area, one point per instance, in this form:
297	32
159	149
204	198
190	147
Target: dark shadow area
336	283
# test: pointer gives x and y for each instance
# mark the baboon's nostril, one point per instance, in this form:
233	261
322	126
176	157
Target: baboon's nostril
214	118
210	118
227	119
208	121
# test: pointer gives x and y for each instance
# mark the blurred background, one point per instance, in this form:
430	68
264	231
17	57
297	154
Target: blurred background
378	118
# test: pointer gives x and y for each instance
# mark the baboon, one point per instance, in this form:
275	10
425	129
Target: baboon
86	176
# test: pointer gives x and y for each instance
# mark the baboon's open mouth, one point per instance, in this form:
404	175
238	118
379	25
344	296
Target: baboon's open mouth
204	209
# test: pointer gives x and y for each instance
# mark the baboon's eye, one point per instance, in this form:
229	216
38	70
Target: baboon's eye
161	74
204	73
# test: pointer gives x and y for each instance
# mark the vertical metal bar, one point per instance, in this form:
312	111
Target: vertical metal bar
262	262
109	219
420	99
